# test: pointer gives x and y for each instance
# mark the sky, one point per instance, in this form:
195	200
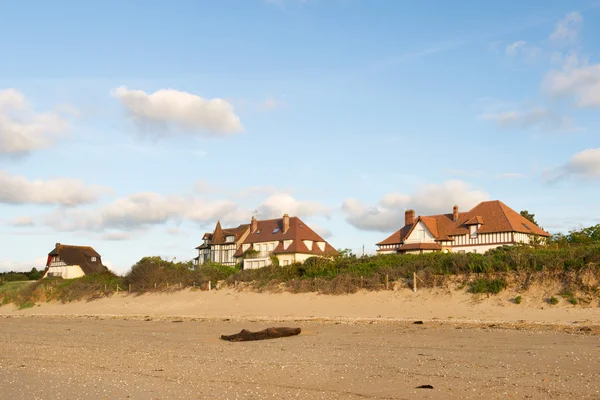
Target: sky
133	126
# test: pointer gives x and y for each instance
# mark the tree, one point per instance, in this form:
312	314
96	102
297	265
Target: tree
530	217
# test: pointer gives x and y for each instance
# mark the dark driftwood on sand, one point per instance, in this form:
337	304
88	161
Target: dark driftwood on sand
269	333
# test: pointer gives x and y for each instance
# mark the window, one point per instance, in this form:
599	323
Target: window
286	262
93	259
473	230
275	230
229	239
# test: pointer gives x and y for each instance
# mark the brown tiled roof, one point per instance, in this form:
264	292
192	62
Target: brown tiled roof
474	220
237	232
218	237
398	236
78	255
494	217
271	230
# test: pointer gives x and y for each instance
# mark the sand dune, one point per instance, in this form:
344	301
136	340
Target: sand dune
426	304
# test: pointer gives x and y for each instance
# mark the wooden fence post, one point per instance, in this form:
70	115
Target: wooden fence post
117	288
362	282
387	282
179	285
154	285
130	288
415	282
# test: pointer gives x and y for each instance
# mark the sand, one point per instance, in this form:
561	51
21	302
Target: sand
166	346
397	305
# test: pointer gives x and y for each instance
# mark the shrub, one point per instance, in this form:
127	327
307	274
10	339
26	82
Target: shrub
553	300
488	286
518	300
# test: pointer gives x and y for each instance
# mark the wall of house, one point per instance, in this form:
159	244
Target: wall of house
284	259
483	239
223	253
420	234
65	272
387	249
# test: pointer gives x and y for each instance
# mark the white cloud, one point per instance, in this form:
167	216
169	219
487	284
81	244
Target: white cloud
388	214
576	78
321	231
22	130
523	50
142	210
166	109
585	163
568	28
22	222
277	205
16	189
538	117
512	49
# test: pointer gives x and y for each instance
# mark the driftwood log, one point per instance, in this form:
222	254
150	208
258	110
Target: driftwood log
269	333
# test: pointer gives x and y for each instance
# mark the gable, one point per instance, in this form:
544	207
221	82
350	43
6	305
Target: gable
420	233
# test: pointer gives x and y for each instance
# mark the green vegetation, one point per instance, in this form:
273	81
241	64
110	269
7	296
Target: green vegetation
12	276
488	286
573	260
518	300
553	300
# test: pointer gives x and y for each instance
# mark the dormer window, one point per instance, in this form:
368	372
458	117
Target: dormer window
93	259
473	231
229	239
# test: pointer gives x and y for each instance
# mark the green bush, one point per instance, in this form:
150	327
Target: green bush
553	300
488	286
518	300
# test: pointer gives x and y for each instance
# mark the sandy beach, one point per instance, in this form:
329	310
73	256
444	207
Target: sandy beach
167	346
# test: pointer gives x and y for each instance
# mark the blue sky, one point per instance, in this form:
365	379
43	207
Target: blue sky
134	126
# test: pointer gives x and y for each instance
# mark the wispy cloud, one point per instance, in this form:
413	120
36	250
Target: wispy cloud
568	28
537	117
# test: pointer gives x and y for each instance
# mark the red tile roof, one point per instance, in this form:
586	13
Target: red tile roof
271	230
494	217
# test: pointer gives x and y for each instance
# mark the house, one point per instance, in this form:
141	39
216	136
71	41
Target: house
68	262
288	239
488	225
221	245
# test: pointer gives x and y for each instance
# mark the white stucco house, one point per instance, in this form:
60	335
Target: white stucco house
488	225
69	262
287	238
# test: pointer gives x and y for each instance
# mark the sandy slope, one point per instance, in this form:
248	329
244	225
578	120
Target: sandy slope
403	304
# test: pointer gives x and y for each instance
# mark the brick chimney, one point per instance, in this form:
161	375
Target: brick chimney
253	224
455	213
286	222
409	217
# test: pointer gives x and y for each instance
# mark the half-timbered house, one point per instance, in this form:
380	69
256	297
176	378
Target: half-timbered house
488	225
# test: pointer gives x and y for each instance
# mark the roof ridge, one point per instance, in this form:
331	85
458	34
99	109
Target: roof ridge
503	208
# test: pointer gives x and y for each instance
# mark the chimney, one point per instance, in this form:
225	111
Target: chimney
286	223
455	213
253	224
409	217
